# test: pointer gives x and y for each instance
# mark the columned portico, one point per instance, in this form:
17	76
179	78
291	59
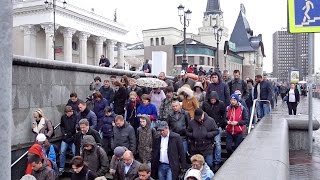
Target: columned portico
83	37
29	40
49	39
110	51
67	43
98	48
121	47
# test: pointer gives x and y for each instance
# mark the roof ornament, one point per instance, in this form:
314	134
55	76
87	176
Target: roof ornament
242	8
115	15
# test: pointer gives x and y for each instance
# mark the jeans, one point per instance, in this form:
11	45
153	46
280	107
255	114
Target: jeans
185	145
236	139
217	150
63	151
209	160
106	144
263	109
164	172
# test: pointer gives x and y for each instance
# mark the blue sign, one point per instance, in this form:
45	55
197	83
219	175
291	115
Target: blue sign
304	16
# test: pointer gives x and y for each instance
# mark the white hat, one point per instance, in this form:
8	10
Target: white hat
28	177
193	173
41	137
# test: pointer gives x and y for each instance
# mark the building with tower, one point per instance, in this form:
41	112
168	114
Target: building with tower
290	51
202	47
247	45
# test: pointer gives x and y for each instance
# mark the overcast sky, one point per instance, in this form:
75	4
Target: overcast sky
264	16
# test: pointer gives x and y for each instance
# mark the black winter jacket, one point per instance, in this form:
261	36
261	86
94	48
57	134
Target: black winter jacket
217	111
68	127
201	136
124	136
179	125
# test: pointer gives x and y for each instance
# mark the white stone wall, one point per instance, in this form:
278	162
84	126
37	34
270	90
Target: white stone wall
17	41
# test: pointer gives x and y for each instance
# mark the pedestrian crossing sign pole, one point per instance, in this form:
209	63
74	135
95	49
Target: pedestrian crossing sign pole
304	16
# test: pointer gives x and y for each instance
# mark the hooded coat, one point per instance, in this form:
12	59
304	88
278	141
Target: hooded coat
222	89
201	136
96	158
189	103
145	136
217	110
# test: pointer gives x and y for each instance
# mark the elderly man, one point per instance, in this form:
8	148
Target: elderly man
164	164
128	168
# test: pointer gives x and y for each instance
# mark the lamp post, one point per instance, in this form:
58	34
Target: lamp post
52	4
217	31
185	17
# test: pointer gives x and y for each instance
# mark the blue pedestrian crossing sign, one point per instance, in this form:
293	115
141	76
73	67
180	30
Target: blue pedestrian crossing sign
304	16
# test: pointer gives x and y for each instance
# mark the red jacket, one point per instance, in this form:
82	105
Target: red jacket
37	150
235	114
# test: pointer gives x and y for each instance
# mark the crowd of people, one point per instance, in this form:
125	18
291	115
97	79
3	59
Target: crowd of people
162	133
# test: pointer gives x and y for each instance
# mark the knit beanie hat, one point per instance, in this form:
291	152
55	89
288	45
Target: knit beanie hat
235	96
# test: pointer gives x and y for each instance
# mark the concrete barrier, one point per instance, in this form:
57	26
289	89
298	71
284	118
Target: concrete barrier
264	153
41	83
298	132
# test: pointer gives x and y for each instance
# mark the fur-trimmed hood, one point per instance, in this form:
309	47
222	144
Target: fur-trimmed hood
185	90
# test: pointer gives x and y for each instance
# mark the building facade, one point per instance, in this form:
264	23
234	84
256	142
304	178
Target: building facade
290	51
201	48
72	35
248	46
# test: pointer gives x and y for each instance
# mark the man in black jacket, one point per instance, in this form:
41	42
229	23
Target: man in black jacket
201	133
85	129
238	84
123	135
216	109
178	122
167	154
104	62
263	91
68	130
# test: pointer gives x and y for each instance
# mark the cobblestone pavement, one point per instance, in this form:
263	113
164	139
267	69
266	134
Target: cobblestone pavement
304	166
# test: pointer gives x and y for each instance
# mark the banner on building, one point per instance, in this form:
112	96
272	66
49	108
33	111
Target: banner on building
294	76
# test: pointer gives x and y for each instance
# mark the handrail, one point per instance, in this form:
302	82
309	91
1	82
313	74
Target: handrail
253	111
23	155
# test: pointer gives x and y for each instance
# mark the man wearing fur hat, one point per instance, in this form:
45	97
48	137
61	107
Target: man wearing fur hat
237	116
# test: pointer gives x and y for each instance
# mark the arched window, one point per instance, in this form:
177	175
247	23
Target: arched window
151	42
157	41
162	41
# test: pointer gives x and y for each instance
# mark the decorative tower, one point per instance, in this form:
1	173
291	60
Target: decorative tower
213	16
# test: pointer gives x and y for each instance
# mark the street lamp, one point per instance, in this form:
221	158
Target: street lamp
185	18
217	31
49	5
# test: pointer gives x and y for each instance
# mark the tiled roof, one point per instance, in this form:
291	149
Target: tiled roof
242	35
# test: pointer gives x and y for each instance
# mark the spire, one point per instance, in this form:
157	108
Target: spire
213	7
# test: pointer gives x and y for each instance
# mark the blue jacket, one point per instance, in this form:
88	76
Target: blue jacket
106	126
99	107
52	153
222	89
150	109
90	115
